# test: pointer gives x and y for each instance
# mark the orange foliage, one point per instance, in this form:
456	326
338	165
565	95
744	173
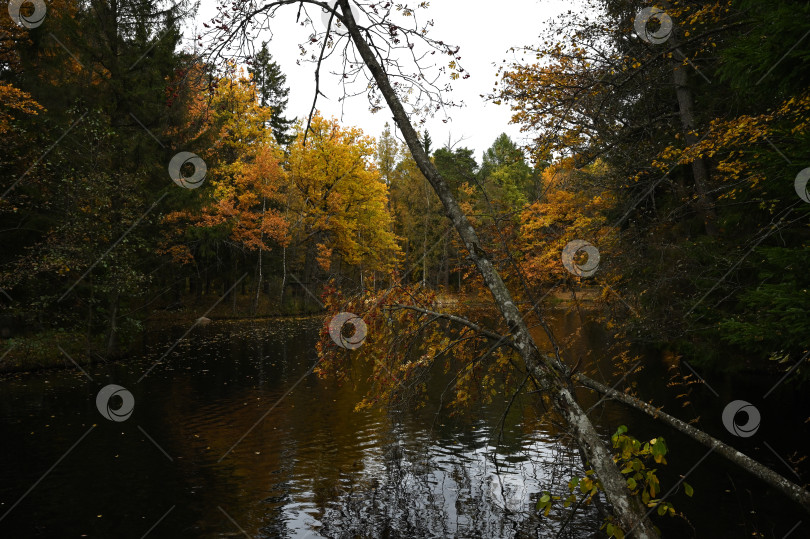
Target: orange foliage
565	214
15	101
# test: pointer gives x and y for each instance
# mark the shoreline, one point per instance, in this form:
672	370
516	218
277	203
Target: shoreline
44	352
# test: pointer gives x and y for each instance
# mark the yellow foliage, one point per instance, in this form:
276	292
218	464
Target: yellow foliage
338	198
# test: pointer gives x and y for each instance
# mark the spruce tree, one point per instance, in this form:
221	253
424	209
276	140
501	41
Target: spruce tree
273	92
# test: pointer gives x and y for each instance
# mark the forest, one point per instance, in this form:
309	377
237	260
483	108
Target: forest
659	193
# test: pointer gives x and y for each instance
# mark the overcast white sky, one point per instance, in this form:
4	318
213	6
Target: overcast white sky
484	29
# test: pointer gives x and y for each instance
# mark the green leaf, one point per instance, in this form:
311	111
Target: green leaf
659	448
688	489
662	509
631	483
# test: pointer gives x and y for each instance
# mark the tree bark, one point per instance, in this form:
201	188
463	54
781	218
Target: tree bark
283	276
424	236
700	172
785	486
259	264
629	511
259	277
234	287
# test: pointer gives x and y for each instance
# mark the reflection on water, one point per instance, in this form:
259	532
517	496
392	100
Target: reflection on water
311	467
305	464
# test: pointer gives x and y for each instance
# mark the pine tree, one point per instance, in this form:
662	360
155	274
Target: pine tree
427	143
273	92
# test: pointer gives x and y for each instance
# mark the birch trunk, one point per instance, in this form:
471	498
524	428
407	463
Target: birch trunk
283	275
787	487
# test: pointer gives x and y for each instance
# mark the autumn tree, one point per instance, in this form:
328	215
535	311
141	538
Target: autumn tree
338	203
566	212
695	155
388	153
239	209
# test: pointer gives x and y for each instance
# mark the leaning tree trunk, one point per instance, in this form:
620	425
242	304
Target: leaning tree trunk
787	487
629	511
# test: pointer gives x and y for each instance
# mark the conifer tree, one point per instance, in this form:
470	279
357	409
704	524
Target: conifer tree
273	93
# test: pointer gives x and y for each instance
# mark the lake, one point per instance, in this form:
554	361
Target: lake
232	436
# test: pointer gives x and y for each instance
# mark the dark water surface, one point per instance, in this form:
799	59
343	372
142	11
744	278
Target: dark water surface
230	436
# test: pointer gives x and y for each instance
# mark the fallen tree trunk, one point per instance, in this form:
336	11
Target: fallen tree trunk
782	484
629	511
